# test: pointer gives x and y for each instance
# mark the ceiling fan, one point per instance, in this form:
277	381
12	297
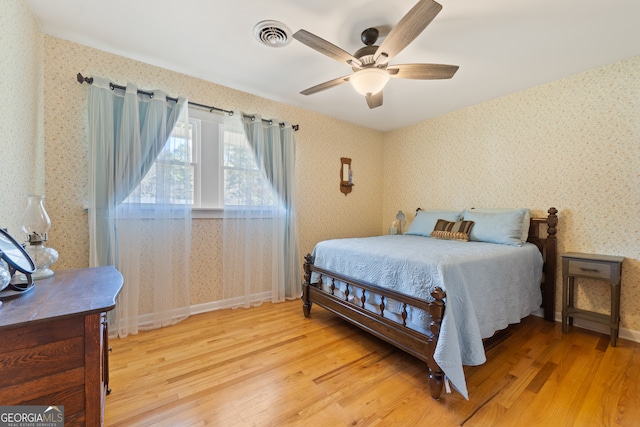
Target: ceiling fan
371	65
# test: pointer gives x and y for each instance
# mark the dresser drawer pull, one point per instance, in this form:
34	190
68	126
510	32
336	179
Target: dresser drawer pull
590	270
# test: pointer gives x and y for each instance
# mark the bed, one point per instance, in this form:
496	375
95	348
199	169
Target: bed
438	295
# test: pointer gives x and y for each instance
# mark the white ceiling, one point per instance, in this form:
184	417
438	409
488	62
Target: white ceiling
501	46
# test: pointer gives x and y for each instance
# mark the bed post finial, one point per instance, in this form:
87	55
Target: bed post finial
552	222
306	304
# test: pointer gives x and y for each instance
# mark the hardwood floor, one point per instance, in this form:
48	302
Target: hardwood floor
269	366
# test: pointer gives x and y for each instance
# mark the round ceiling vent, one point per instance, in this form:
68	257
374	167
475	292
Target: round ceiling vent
272	33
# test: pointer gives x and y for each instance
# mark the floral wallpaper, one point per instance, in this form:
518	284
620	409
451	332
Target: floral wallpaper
323	211
21	125
573	144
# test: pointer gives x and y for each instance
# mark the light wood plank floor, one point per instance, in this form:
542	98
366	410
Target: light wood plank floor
269	366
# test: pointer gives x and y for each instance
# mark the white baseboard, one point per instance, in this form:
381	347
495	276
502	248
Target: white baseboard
145	321
228	303
627	334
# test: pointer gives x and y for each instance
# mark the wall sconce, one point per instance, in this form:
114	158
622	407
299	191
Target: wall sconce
346	175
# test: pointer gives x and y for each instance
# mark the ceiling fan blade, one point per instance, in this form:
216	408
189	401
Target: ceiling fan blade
407	29
325	85
326	48
374	101
422	71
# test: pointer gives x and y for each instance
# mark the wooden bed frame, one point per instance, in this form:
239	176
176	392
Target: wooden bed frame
409	340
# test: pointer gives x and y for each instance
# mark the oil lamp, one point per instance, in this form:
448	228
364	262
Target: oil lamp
36	224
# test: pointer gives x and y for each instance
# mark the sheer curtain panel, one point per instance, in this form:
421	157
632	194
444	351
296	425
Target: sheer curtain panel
260	255
140	202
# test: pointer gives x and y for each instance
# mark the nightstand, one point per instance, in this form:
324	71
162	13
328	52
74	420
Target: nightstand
591	266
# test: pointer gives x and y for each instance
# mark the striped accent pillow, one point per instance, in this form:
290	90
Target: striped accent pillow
448	230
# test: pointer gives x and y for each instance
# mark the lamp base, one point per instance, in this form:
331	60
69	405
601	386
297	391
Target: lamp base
39	274
42	274
43	257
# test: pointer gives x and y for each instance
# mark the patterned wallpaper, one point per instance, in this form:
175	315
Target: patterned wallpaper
21	126
573	144
323	211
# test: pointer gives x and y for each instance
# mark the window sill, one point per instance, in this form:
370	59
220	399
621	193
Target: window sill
207	213
216	213
230	212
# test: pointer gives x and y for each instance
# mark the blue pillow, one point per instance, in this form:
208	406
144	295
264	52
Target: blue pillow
526	221
425	221
497	227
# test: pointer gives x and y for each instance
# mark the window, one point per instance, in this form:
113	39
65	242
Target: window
244	183
223	171
170	178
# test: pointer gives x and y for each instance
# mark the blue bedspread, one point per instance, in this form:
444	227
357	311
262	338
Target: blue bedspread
488	286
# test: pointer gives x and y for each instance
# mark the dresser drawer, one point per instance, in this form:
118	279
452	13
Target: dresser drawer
596	270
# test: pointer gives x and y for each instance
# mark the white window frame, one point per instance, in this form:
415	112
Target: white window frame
207	161
207	143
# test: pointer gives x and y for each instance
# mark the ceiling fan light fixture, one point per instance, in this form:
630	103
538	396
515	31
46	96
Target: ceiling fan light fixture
369	80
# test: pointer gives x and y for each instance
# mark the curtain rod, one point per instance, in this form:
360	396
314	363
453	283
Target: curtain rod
89	80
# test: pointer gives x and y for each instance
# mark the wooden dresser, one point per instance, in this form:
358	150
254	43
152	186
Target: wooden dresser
53	344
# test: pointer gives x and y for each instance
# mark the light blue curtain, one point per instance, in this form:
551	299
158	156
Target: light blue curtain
261	256
142	231
274	148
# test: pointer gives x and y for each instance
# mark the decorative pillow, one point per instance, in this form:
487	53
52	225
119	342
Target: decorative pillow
498	227
448	230
425	221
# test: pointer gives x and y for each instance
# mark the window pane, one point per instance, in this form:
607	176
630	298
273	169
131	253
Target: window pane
177	149
237	154
244	184
246	188
170	179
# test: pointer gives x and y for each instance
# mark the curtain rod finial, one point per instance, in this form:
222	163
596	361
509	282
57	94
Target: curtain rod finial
82	79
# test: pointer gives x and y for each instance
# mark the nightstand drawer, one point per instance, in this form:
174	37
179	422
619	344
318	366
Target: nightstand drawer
589	269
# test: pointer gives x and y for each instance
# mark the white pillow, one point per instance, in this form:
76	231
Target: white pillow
504	226
425	221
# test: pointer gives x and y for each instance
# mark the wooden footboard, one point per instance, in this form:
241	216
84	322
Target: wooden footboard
351	303
354	310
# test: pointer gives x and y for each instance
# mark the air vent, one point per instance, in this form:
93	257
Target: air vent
272	33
